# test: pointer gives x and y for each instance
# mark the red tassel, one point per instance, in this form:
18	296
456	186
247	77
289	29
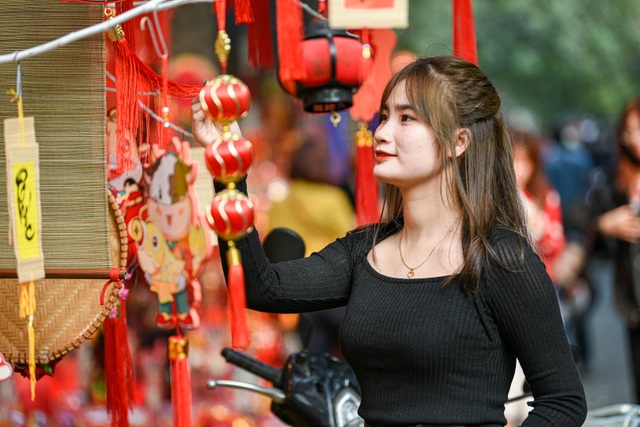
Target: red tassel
237	300
259	36
290	34
180	381
127	108
131	75
129	27
377	72
367	205
244	12
464	32
117	364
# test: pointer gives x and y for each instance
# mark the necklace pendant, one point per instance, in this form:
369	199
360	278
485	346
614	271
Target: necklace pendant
410	274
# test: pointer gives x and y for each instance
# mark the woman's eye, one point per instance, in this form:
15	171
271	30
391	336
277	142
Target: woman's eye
406	118
383	118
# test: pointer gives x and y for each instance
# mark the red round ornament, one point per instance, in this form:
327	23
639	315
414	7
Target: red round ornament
230	214
225	99
228	157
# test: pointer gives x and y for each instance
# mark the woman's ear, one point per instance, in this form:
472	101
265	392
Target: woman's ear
462	141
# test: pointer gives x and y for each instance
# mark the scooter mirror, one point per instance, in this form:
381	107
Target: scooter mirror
283	244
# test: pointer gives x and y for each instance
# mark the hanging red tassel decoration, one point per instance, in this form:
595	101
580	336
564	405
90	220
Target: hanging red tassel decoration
464	32
118	368
226	99
259	36
290	30
133	75
244	12
231	216
366	103
237	299
367	200
180	381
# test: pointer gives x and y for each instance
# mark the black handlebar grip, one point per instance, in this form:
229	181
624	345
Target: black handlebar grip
252	365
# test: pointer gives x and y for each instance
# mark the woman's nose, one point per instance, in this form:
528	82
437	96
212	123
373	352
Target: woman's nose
381	134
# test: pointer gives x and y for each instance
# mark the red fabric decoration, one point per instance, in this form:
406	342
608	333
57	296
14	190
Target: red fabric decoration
464	32
259	36
290	33
118	371
244	12
180	381
237	300
367	200
366	103
366	100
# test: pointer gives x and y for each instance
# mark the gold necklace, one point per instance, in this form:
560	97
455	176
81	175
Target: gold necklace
411	271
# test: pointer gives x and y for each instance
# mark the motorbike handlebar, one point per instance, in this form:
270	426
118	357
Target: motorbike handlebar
252	365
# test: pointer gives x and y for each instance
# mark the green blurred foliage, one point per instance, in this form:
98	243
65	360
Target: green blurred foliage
553	58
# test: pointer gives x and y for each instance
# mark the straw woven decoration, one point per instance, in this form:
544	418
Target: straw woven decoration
64	89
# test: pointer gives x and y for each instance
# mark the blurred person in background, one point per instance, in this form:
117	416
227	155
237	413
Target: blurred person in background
615	204
544	214
568	165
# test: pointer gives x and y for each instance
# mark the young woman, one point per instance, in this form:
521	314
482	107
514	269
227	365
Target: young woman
446	291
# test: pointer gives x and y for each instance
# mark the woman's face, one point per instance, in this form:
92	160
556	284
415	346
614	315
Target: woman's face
631	134
405	147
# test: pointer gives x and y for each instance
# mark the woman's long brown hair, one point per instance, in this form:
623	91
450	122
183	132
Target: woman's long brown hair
449	93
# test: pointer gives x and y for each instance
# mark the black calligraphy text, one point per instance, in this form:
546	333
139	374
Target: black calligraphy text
24	203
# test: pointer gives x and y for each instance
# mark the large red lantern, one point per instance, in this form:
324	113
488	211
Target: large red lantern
336	62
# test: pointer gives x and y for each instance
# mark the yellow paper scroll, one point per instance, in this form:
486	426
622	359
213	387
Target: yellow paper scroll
23	197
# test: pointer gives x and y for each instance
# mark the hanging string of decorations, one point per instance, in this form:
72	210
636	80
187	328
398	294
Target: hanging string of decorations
225	100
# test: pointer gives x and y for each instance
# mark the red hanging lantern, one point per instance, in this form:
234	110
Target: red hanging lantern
335	62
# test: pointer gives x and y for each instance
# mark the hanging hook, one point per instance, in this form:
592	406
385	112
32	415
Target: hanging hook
156	34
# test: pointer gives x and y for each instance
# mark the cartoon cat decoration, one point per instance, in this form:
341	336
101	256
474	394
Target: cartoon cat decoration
170	236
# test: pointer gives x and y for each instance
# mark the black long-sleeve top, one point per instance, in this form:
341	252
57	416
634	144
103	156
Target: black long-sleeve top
423	352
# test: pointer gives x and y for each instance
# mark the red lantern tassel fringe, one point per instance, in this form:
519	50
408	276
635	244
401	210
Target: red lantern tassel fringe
259	36
464	32
290	34
118	368
367	204
180	381
244	12
237	299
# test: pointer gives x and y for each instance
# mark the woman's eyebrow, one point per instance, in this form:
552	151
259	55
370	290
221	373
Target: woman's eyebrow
402	107
397	107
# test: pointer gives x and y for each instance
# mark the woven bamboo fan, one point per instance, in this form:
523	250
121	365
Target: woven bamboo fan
64	91
68	310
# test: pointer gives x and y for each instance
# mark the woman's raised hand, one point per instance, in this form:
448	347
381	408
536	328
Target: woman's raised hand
205	130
